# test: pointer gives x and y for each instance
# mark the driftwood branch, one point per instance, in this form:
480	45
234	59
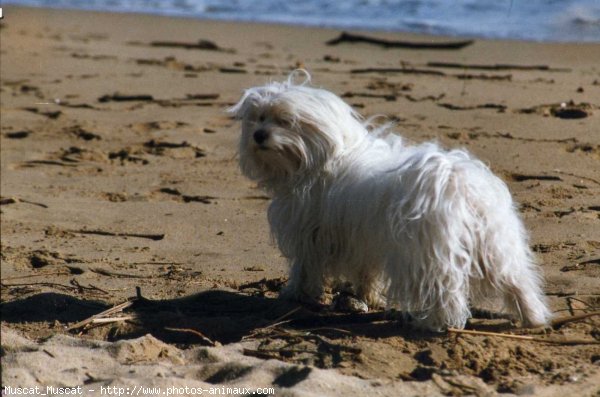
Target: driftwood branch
116	97
404	70
523	177
199	45
346	37
453	65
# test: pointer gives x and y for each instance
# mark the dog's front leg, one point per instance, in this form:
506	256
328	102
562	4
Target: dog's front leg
307	270
304	285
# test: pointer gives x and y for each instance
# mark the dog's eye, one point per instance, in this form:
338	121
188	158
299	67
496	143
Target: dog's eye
262	118
284	123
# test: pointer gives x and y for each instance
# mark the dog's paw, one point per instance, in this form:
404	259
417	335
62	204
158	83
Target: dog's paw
293	295
345	302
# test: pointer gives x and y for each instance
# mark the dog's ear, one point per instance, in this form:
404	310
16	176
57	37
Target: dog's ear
239	110
249	100
254	96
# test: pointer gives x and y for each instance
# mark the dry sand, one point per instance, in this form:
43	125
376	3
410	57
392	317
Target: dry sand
119	170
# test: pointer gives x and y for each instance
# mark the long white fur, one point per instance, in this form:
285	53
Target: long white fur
427	230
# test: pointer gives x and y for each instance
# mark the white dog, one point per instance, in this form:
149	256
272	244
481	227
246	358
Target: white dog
425	229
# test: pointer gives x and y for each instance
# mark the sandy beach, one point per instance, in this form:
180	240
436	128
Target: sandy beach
120	186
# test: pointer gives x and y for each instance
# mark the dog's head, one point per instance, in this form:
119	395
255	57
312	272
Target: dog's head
293	131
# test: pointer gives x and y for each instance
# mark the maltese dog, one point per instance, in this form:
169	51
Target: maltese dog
416	227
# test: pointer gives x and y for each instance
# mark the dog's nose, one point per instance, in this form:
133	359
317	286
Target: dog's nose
260	136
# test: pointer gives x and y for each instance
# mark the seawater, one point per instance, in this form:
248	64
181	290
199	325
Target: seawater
538	20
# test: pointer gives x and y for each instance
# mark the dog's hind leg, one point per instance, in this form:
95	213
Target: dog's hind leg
510	267
499	241
432	289
522	286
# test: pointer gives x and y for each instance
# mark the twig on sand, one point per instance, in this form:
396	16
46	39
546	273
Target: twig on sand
525	337
293	338
199	45
487	333
522	177
346	37
412	70
114	274
62	273
575	304
48	353
105	320
154	237
404	70
559	322
13	200
322	342
116	97
103	317
32	163
43	283
279	319
199	334
89	287
341	331
108	312
597	182
277	322
74	286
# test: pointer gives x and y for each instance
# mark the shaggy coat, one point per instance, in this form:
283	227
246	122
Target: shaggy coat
416	227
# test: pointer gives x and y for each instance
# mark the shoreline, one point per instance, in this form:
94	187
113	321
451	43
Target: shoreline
119	171
306	26
323	25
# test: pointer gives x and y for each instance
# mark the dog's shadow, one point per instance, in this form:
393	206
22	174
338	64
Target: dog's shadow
222	316
205	318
